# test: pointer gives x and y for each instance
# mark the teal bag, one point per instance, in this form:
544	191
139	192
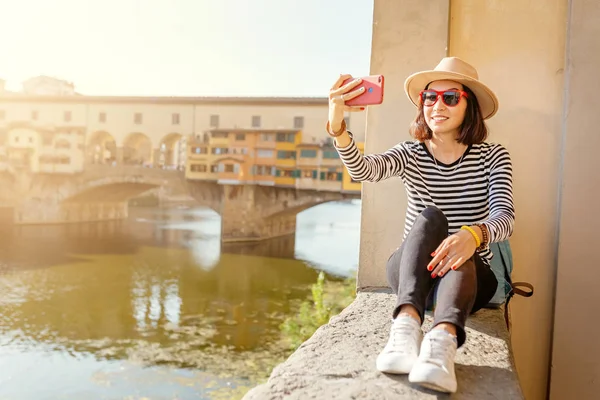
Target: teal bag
502	266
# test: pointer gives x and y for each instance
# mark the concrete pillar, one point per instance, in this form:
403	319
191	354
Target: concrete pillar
575	370
522	57
119	155
408	36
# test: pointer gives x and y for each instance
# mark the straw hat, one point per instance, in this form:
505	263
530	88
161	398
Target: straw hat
454	69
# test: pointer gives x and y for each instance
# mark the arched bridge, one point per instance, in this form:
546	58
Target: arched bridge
249	212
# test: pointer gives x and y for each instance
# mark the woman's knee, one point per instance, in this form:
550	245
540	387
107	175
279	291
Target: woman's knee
434	217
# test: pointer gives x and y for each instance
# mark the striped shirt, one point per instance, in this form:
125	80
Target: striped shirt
476	189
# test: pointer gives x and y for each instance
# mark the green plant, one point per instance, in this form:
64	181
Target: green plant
327	299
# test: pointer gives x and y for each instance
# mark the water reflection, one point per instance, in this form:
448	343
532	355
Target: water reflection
157	289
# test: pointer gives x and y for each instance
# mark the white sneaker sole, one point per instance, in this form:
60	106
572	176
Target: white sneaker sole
389	365
426	376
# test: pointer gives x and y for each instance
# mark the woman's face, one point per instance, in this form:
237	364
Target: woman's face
441	118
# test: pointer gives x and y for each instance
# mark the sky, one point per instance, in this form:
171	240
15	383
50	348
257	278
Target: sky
186	47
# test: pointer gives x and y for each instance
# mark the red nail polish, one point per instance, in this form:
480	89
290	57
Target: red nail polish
362	108
433	254
433	275
442	273
430	268
454	267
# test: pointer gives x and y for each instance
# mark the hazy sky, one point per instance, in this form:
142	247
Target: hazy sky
186	47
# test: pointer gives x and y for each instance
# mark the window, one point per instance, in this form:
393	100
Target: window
256	121
175	119
261	153
214	121
17	139
137	118
229	168
222	135
35	115
199	150
308	153
266	137
220	150
307	173
331	176
286	137
2	114
262	170
214	168
30	139
102	117
198	168
298	122
286	155
240	136
67	117
330	154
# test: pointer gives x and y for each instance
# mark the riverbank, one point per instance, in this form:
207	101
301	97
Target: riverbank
328	298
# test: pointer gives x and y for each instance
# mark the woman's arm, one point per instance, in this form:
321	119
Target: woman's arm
374	167
502	210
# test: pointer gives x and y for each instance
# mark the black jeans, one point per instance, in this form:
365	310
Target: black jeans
457	294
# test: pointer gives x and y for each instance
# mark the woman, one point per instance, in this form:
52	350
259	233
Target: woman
459	201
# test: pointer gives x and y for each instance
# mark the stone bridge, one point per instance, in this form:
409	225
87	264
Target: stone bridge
248	212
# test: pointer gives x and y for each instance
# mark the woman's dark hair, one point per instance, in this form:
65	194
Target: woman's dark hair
472	130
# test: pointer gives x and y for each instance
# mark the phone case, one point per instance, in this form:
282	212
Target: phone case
373	94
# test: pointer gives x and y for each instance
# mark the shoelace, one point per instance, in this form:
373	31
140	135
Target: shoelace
401	336
437	351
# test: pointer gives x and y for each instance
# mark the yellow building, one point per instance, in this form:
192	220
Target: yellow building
286	143
348	185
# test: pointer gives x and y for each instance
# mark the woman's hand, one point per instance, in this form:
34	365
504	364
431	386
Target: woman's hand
452	253
338	95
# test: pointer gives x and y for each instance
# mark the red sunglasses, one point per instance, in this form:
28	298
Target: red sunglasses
451	98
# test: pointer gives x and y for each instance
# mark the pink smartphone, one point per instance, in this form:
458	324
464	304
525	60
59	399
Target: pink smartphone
373	94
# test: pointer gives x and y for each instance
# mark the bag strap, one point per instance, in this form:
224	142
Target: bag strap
515	288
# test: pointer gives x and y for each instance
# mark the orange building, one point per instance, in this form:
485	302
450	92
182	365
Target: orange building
273	157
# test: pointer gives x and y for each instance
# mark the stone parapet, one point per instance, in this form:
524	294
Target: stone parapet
338	361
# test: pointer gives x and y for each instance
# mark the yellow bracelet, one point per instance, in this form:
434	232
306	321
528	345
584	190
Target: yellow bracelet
468	228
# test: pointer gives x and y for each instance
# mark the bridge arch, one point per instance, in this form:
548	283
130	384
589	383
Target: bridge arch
171	150
137	149
101	148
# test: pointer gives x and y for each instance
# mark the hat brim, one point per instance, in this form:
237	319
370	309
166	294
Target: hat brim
488	102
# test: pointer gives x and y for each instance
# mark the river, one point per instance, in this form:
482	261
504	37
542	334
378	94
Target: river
155	307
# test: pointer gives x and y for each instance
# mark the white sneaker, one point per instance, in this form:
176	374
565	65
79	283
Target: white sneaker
434	368
402	349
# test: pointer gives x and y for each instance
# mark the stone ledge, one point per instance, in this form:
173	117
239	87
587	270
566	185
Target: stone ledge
338	361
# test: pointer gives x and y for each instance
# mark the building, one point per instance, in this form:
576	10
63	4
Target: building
247	156
48	86
218	138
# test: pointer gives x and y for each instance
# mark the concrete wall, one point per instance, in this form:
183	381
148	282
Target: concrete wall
575	359
519	48
407	36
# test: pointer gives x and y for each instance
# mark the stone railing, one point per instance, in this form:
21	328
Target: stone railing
338	361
